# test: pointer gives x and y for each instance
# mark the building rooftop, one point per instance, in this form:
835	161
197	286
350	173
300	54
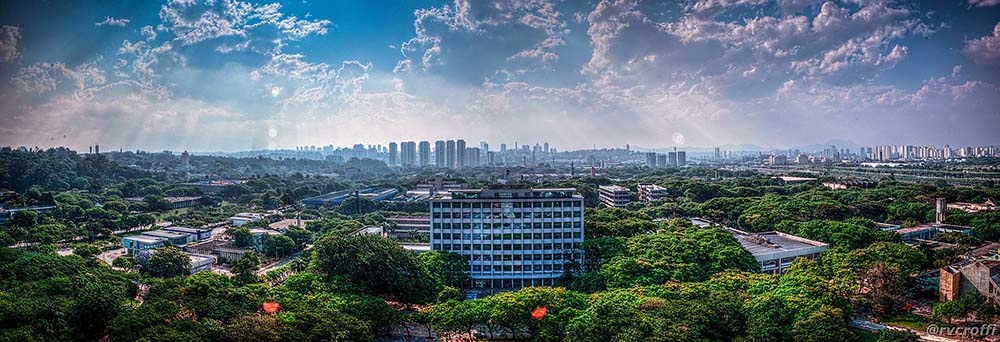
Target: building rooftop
188	230
775	242
508	192
613	188
792	179
166	234
145	238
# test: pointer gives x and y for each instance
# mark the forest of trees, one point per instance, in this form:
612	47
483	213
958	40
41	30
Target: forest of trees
649	274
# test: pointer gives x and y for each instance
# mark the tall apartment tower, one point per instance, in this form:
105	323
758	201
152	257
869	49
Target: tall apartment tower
460	148
672	158
451	155
393	155
424	153
681	158
650	159
439	153
513	237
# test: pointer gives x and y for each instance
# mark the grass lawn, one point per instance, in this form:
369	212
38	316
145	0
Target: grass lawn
909	320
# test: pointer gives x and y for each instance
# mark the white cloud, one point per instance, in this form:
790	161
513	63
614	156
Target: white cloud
9	35
193	22
985	50
109	21
983	3
148	32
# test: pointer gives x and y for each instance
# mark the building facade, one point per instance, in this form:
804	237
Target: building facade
651	192
513	237
614	196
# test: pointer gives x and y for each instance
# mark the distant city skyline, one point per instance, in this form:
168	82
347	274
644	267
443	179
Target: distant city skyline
236	76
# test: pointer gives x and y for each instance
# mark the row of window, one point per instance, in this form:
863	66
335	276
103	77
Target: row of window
506	225
507	236
505	246
538	204
511	283
516	268
524	257
511	215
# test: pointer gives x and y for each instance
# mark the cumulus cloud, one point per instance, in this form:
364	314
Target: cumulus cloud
985	50
193	22
148	32
109	21
9	35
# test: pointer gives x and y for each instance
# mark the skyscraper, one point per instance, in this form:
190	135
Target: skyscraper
681	158
424	153
439	153
393	154
672	158
460	148
451	155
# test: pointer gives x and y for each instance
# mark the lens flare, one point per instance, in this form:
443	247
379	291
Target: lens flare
678	138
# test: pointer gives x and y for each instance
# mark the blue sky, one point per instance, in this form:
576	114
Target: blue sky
236	75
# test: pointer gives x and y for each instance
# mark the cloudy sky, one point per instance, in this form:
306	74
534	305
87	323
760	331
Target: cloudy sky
228	75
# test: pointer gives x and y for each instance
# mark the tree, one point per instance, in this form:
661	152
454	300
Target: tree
449	268
377	264
86	251
97	303
24	218
252	327
278	245
157	203
893	335
125	262
826	324
164	262
241	236
299	235
245	268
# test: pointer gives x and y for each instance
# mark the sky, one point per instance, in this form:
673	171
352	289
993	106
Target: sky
227	75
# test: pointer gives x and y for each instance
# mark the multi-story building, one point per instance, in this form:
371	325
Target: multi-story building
393	155
651	192
650	159
451	155
439	153
513	236
614	196
681	158
424	153
672	158
460	158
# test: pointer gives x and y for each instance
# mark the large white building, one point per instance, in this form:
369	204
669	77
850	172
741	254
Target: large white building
513	236
614	196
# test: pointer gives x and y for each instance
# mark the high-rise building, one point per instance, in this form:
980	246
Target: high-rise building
681	158
408	153
661	160
393	155
472	157
460	148
545	147
651	159
672	158
451	155
512	237
424	153
614	196
439	153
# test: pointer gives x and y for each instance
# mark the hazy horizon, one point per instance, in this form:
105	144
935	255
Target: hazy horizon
230	76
